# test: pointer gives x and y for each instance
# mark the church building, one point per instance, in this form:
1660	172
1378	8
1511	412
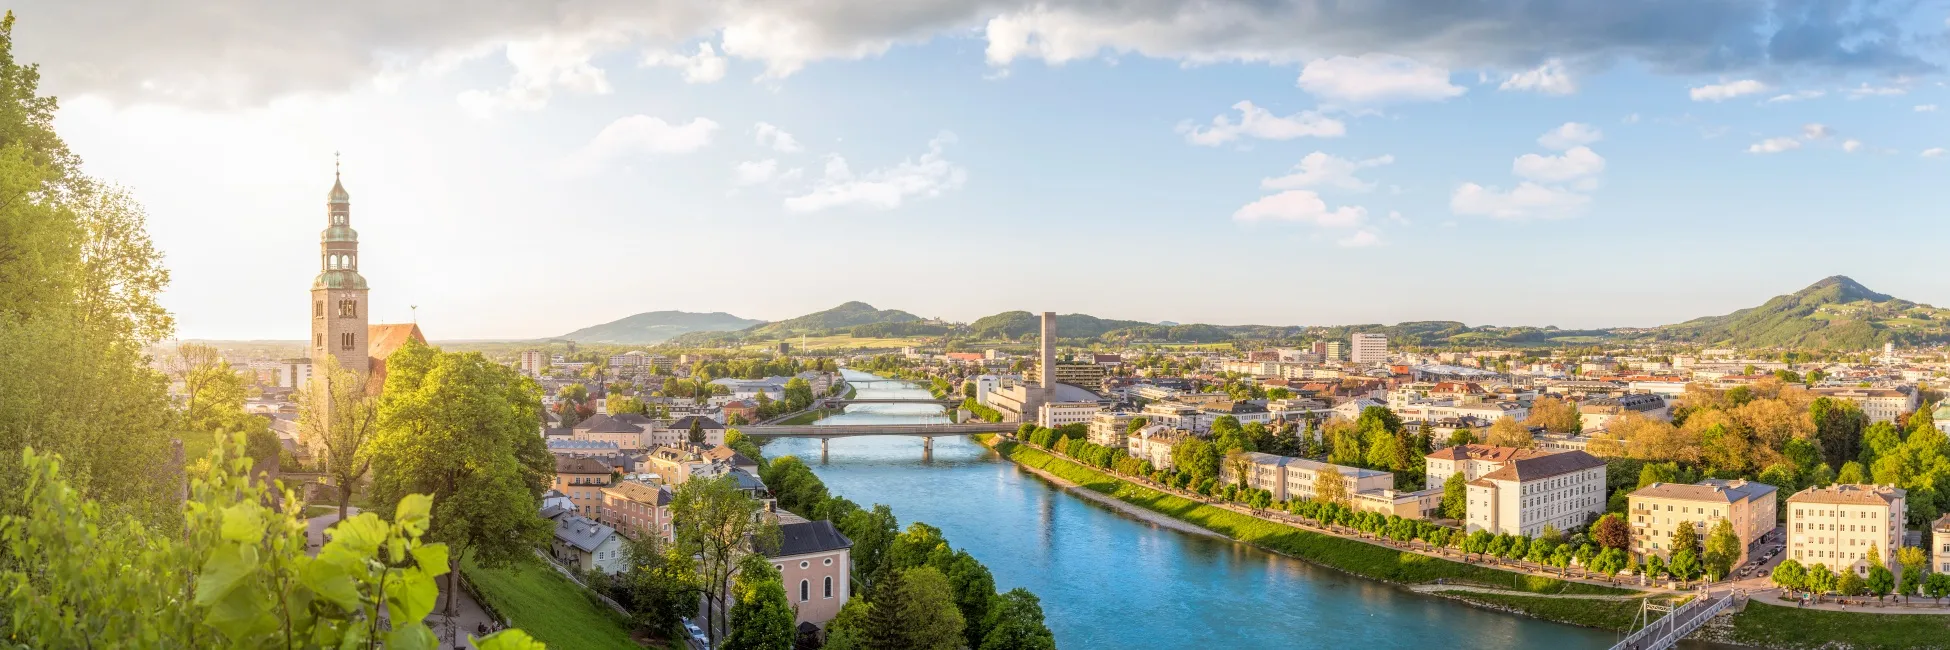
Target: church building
339	304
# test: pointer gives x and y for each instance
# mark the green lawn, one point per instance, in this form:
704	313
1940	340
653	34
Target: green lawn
1602	614
549	607
1775	626
1359	558
808	417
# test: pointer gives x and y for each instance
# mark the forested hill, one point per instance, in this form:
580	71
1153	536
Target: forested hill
658	326
1836	313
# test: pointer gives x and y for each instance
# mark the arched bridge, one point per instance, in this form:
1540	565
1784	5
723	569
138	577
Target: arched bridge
892	400
827	432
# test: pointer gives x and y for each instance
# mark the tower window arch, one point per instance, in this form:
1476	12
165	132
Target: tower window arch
829	586
345	341
805	590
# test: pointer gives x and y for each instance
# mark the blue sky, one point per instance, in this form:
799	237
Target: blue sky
518	174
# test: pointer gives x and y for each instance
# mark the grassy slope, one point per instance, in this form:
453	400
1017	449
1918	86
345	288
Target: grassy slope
1359	558
1774	626
808	417
1602	614
549	607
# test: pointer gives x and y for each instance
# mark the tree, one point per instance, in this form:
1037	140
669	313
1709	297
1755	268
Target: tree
1455	497
1790	575
1330	486
1913	557
1015	622
1880	583
1852	474
1461	436
1684	537
1134	426
1851	584
1506	432
1554	415
1936	586
761	616
1838	426
1821	580
1910	584
916	610
337	418
1685	564
697	431
658	584
233	576
1611	531
713	523
461	429
1723	549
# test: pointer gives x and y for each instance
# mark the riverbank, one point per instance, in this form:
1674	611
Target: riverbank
1147	516
1778	627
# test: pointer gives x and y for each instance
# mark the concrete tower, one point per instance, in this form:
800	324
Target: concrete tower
338	295
1046	358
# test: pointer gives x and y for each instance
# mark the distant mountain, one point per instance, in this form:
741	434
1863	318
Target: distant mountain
845	316
1014	325
658	326
1836	313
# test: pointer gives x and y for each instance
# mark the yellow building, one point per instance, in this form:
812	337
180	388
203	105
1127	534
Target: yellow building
1838	525
1656	510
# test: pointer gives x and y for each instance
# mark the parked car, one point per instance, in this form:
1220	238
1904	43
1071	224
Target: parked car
697	634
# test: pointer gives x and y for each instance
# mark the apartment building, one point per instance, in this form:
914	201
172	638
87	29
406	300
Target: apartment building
1596	412
1367	348
1290	478
1472	460
1107	427
1940	545
637	508
1564	490
1056	414
582	480
1839	525
1880	404
1656	510
1153	443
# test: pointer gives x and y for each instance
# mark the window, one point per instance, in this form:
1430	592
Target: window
318	309
829	586
803	564
348	309
345	341
805	590
828	562
318	340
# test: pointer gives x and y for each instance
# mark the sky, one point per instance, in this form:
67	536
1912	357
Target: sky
522	169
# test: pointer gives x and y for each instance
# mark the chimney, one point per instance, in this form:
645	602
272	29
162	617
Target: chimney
1046	370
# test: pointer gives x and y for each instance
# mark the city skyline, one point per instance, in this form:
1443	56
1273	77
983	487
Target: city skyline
524	175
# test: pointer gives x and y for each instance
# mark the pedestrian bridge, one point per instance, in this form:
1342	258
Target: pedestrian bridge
850	430
893	400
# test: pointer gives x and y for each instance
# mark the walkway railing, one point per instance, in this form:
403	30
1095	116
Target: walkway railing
1669	629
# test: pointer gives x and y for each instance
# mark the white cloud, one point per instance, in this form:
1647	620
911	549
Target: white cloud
541	65
1796	96
1926	108
1816	131
1301	206
706	66
885	188
641	134
1726	91
1527	201
1631	119
1376	79
761	172
1933	152
1571	134
1323	169
1851	145
1551	78
1578	163
1360	239
1397	218
1866	90
776	138
1256	122
1774	145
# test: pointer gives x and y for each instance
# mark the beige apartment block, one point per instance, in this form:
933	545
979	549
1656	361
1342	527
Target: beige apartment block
1565	490
1838	525
1656	510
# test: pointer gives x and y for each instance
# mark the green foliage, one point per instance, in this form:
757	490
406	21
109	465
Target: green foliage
761	616
461	428
1835	313
715	523
658	584
1353	556
1015	622
549	606
1790	575
1766	625
237	575
1723	549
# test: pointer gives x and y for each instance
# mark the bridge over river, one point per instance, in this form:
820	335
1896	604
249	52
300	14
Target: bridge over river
826	432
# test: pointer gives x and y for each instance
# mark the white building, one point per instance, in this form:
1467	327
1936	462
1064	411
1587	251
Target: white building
1839	525
1056	414
1368	348
1880	404
1564	490
532	362
1108	428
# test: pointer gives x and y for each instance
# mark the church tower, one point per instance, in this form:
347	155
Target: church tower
338	296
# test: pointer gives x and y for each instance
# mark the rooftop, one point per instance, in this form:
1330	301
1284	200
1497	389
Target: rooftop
801	538
1850	494
1544	466
580	466
1714	490
583	533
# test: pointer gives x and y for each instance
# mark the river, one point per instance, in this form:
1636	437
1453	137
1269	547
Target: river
1109	580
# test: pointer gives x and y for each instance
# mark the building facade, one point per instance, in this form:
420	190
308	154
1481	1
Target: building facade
338	294
1472	460
1656	510
1940	545
1564	490
814	561
1880	404
583	480
1367	348
637	508
1841	525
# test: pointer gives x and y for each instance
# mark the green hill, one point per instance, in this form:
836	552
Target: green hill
1836	313
845	316
658	326
1014	325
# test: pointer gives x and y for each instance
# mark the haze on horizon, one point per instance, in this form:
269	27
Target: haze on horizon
521	170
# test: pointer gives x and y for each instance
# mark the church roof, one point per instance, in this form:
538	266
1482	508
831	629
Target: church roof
338	193
382	340
339	279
